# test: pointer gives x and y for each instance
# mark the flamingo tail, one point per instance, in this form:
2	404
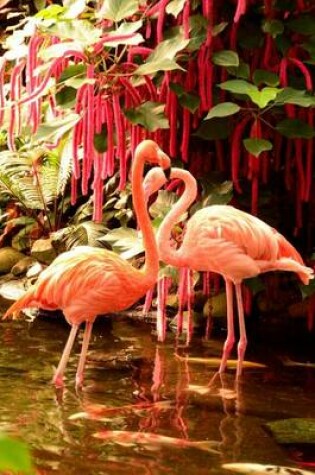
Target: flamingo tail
287	250
26	301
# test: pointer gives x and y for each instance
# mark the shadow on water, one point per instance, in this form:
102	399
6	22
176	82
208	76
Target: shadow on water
132	384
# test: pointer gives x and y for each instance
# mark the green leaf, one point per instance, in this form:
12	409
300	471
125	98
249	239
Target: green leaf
117	10
225	58
295	128
175	7
53	131
304	24
222	110
198	31
273	27
125	29
264	96
238	86
214	129
262	76
14	456
66	97
186	99
289	95
74	8
149	114
76	34
100	140
256	146
74	70
242	71
217	29
126	241
52	12
162	58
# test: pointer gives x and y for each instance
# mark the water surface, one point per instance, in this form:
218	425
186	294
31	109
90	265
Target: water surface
127	366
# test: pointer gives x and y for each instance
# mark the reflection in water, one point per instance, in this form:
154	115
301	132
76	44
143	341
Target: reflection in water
133	385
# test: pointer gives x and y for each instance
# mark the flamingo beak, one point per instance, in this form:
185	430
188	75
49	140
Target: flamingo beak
164	160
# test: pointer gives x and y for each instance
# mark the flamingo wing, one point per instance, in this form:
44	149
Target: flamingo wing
226	240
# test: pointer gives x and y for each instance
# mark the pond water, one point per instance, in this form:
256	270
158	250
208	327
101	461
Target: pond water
177	398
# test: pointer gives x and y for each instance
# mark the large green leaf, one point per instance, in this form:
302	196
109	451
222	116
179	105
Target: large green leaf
225	58
262	76
174	7
222	110
238	86
149	114
126	241
264	96
75	34
289	95
186	99
295	128
14	456
163	57
256	146
53	131
117	10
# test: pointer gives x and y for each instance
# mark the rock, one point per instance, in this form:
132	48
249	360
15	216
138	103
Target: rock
22	266
43	251
12	290
34	270
293	431
8	258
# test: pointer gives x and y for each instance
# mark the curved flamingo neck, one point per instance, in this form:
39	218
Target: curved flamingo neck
167	253
151	267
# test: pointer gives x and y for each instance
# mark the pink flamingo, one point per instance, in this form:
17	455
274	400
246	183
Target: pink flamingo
85	281
227	241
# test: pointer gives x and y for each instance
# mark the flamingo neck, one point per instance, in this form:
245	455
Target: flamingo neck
167	252
151	267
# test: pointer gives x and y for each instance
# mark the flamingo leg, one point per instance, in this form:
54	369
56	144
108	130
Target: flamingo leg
229	342
190	317
58	377
84	348
242	344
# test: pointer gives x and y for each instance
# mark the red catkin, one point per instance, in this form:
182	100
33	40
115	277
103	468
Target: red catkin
121	142
236	148
2	95
240	10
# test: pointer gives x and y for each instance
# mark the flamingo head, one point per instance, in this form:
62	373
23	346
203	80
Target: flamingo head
153	181
151	152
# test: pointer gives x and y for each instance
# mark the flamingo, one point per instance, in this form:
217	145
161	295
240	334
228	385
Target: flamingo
87	281
227	241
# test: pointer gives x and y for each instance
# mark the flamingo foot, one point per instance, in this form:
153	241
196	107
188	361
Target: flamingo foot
241	348
227	348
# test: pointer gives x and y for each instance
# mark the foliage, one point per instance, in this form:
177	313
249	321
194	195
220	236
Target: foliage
14	456
186	73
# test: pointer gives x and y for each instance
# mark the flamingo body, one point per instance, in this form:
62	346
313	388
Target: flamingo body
225	240
228	241
85	281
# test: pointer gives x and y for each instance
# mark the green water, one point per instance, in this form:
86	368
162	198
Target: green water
126	366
